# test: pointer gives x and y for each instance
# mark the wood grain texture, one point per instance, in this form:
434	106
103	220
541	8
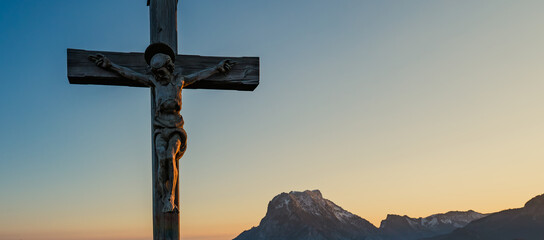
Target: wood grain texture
163	23
243	77
166	226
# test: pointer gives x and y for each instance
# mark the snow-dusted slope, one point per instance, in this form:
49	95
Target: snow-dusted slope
396	227
308	216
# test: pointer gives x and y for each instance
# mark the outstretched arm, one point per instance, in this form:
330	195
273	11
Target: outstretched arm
103	62
223	67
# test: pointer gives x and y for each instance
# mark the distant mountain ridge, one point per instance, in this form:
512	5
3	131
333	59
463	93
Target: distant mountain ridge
308	216
526	223
407	228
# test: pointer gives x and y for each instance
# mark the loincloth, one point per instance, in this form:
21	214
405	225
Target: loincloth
168	121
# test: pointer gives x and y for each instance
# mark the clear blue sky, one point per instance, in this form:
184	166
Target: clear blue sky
407	107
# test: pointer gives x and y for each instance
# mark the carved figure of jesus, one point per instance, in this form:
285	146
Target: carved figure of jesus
169	136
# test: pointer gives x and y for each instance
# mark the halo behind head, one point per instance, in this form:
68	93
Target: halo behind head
156	48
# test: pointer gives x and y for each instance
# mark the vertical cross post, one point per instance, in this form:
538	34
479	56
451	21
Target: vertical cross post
163	23
163	29
130	69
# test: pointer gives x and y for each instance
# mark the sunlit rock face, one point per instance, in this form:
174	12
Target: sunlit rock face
308	216
396	227
525	223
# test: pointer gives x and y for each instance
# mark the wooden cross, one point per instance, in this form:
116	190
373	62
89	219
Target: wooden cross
243	76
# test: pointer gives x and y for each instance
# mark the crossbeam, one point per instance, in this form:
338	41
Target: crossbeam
243	77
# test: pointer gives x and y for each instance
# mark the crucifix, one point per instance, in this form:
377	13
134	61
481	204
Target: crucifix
166	73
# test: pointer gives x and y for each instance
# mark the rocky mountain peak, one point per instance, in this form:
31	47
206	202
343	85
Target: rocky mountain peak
307	201
307	215
308	204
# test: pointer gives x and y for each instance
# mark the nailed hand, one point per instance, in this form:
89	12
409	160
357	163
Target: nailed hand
225	66
100	60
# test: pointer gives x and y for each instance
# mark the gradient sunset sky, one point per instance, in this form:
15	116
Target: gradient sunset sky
403	107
